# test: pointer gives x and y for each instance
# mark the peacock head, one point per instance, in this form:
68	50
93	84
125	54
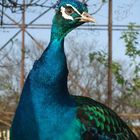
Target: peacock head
69	15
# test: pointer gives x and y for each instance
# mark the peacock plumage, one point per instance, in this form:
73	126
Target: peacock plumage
46	110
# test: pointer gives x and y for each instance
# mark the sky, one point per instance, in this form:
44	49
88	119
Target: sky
124	12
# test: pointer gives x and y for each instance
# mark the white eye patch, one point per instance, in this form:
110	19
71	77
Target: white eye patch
65	15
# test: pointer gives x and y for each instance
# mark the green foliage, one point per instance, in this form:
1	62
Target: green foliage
117	70
130	38
102	58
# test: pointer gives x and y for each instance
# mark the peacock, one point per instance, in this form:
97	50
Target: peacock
46	110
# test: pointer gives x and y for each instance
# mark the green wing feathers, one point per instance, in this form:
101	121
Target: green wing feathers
100	122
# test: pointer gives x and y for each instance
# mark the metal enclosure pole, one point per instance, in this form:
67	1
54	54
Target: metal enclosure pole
22	74
109	102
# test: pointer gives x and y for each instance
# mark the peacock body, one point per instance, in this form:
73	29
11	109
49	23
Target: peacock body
46	110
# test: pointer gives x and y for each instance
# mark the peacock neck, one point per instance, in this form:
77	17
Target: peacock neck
45	93
49	74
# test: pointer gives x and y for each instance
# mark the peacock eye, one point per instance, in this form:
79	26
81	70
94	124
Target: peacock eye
69	10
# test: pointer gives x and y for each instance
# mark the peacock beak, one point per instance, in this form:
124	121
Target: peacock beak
85	17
